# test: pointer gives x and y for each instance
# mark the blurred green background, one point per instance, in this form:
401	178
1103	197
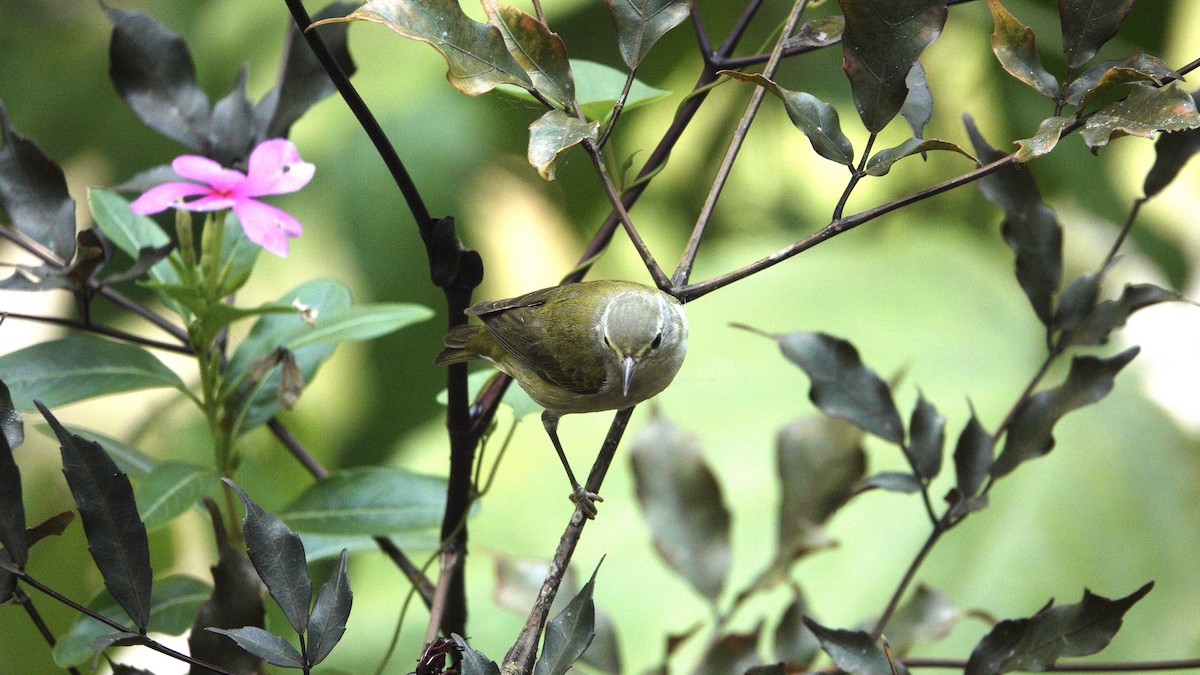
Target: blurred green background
927	290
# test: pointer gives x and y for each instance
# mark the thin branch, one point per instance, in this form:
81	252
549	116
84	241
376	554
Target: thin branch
690	292
101	330
1127	667
855	176
907	579
617	108
521	656
20	597
684	271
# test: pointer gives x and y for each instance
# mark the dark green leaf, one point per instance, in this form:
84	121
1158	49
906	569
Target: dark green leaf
604	654
1036	643
128	459
12	426
265	645
474	662
302	80
553	133
819	32
1101	77
173	603
1030	434
881	42
795	644
78	367
475	53
928	615
854	651
891	481
1045	140
116	537
369	500
1147	109
1087	25
772	669
51	527
918	105
153	72
841	385
927	437
278	556
640	23
33	192
1030	227
1078	300
569	634
881	162
8	580
230	135
731	653
819	461
816	118
1172	151
170	490
12	507
541	53
330	613
683	505
972	457
1014	45
1109	315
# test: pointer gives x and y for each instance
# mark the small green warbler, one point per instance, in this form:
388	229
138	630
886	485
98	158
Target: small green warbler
585	347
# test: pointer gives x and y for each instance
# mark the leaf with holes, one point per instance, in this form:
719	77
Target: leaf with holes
1147	110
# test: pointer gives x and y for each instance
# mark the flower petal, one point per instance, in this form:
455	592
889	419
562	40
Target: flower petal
209	202
208	171
266	225
276	168
160	198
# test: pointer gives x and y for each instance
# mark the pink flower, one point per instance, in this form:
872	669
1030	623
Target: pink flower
275	168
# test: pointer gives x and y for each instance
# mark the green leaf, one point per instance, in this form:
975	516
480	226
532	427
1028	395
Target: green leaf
928	615
1014	45
238	255
881	162
79	367
640	23
819	460
128	458
1147	109
683	505
278	557
370	501
598	87
918	105
841	385
265	645
816	118
1100	77
116	536
891	481
880	44
170	490
731	653
819	32
854	651
1030	434
475	53
1109	315
1172	151
569	633
927	437
541	53
553	133
173	603
474	662
1030	227
1087	25
1036	643
1045	140
130	232
972	457
330	612
795	644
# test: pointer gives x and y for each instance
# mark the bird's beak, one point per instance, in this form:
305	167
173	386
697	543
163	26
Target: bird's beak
628	379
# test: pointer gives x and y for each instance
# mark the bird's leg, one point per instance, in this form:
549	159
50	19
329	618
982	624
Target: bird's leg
579	495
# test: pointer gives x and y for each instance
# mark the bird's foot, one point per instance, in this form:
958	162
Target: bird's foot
586	501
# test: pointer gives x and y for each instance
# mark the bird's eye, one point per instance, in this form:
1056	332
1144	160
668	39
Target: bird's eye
657	341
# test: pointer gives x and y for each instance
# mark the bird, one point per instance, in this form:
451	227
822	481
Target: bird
577	348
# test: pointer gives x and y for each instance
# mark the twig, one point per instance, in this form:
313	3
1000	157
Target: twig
100	330
684	271
521	656
855	176
1128	667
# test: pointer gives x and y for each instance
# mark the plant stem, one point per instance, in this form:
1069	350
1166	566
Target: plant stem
906	581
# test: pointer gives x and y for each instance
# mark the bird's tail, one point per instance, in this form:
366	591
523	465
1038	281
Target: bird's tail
456	342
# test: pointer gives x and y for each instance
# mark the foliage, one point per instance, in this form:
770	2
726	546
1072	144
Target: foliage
248	363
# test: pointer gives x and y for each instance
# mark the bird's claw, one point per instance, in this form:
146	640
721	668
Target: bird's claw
586	501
